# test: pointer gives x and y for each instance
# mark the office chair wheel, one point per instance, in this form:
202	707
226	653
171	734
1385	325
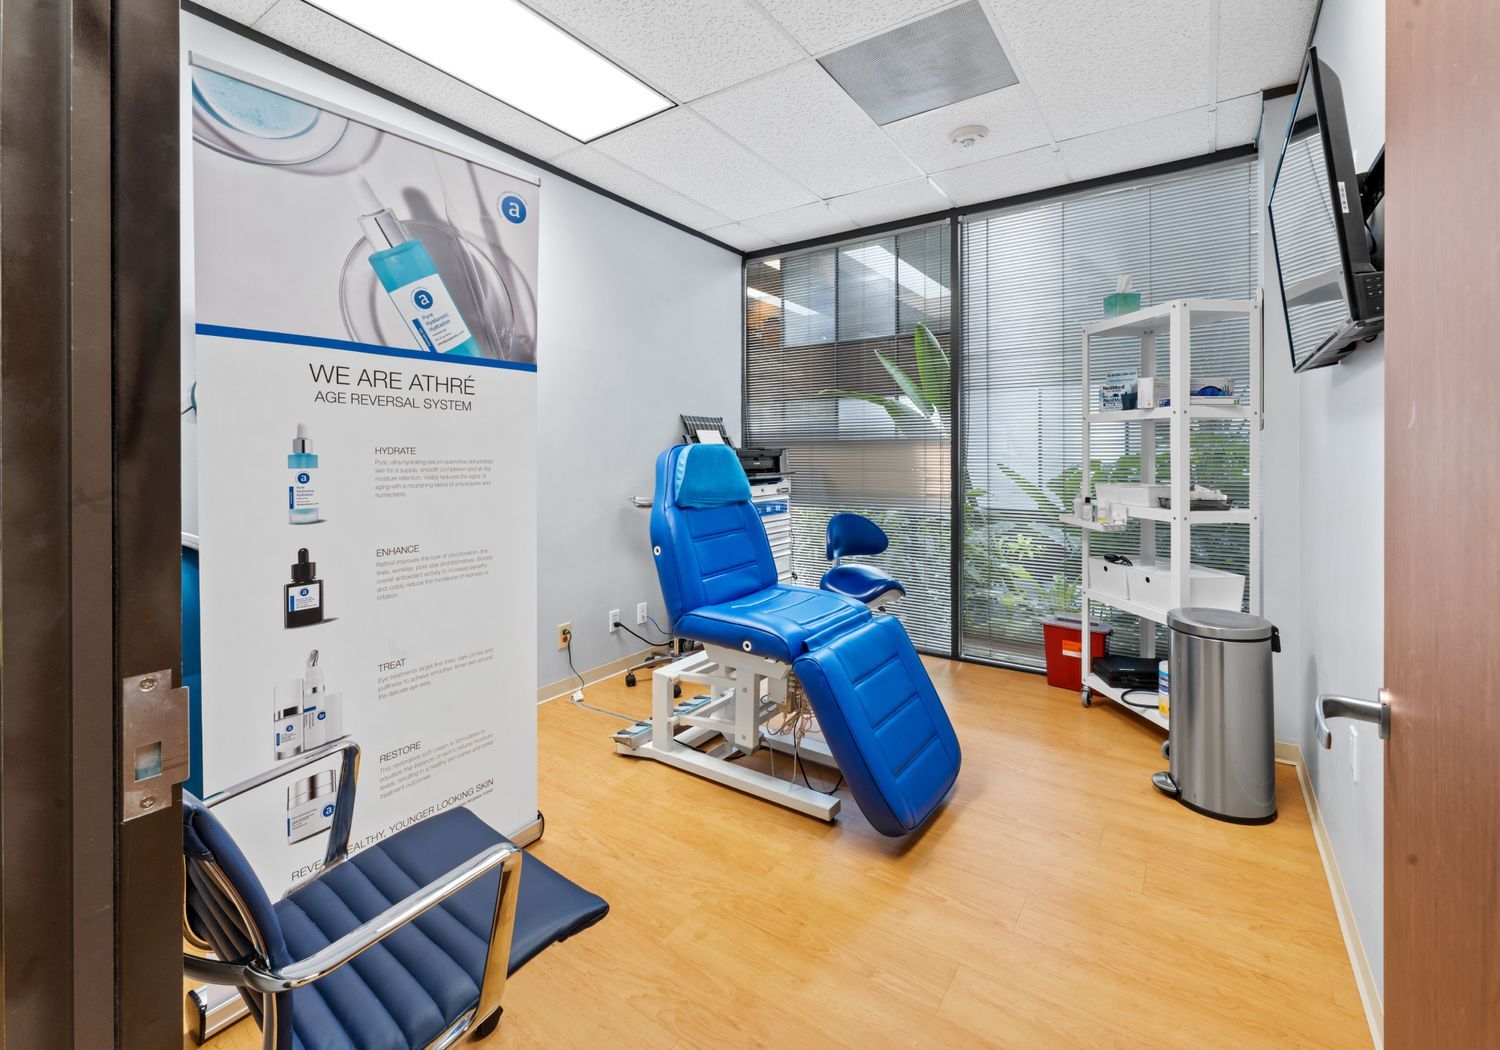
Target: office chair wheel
489	1024
676	690
1087	696
630	678
1166	748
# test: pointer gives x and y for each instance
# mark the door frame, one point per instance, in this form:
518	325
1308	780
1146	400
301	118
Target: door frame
90	907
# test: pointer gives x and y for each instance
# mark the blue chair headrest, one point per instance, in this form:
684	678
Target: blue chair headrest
854	534
710	476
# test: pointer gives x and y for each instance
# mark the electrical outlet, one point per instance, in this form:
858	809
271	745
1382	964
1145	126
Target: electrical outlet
564	635
640	613
614	620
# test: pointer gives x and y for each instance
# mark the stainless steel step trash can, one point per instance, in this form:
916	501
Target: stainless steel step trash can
1222	745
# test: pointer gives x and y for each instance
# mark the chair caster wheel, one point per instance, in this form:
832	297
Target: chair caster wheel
630	678
1166	749
1087	696
676	690
489	1024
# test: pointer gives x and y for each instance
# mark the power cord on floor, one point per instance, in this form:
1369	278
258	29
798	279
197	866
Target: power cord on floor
577	698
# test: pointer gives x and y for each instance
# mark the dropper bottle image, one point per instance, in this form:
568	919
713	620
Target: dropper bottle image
302	599
301	490
406	271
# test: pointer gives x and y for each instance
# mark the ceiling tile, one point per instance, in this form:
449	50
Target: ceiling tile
740	236
245	11
801	121
824	26
1096	64
800	224
1140	145
1035	169
608	173
1261	44
687	48
899	200
686	153
1013	120
340	44
1237	121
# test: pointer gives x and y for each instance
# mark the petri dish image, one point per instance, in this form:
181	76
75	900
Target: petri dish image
253	124
470	276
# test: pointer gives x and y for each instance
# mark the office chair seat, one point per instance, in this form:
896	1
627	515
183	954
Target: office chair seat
406	990
863	583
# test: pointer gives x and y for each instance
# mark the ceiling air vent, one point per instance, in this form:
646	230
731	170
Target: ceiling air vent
926	64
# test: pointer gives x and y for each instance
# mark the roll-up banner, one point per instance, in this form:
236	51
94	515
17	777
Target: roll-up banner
366	329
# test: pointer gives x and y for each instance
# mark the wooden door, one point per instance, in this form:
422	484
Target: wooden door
1442	600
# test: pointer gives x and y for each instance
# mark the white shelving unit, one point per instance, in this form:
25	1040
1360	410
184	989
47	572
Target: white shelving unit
1176	319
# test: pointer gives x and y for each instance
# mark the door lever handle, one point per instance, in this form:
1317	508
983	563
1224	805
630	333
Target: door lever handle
1332	705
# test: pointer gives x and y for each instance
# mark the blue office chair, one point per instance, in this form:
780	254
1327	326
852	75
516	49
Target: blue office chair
407	943
882	719
853	536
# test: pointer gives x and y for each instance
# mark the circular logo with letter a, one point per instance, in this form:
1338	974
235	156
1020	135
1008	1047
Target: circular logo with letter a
513	207
303	478
423	298
328	811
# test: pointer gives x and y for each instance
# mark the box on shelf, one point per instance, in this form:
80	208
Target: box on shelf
1152	584
1115	391
1135	494
1062	636
1109	578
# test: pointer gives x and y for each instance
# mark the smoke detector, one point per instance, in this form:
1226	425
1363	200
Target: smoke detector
968	135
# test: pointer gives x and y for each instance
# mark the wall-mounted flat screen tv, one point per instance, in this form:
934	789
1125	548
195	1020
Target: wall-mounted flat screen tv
1333	291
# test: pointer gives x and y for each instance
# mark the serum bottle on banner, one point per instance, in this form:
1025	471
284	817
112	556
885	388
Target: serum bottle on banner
322	711
410	277
302	599
286	718
301	490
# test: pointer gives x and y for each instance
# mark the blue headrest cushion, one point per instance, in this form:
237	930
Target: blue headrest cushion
710	476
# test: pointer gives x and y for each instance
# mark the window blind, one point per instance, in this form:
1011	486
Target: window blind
1033	276
846	368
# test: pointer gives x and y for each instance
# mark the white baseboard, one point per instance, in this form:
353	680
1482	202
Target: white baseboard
565	686
1364	975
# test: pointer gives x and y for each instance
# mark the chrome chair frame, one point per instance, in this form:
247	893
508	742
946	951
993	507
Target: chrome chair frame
255	973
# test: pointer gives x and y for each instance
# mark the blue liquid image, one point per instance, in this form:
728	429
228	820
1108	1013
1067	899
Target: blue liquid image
250	109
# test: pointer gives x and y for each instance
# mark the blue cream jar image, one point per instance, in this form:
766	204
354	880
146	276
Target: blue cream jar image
406	271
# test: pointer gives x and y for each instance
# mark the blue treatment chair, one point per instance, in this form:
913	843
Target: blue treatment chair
853	536
883	723
405	944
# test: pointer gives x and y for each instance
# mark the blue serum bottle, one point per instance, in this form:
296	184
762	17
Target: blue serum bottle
410	277
302	599
301	487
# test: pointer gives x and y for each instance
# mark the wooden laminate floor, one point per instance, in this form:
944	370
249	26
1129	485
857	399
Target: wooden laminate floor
1057	900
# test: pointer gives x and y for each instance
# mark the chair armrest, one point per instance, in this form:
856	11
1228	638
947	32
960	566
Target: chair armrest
255	974
343	812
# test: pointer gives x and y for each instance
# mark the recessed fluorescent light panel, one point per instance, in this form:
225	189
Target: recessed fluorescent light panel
509	51
932	62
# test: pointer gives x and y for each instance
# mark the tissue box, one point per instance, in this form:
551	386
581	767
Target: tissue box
1118	303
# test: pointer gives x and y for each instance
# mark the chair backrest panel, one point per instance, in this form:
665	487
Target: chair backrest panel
704	554
853	535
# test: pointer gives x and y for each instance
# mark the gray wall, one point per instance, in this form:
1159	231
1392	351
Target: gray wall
640	323
1325	506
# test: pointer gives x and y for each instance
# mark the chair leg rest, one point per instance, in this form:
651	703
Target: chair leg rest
487	1027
